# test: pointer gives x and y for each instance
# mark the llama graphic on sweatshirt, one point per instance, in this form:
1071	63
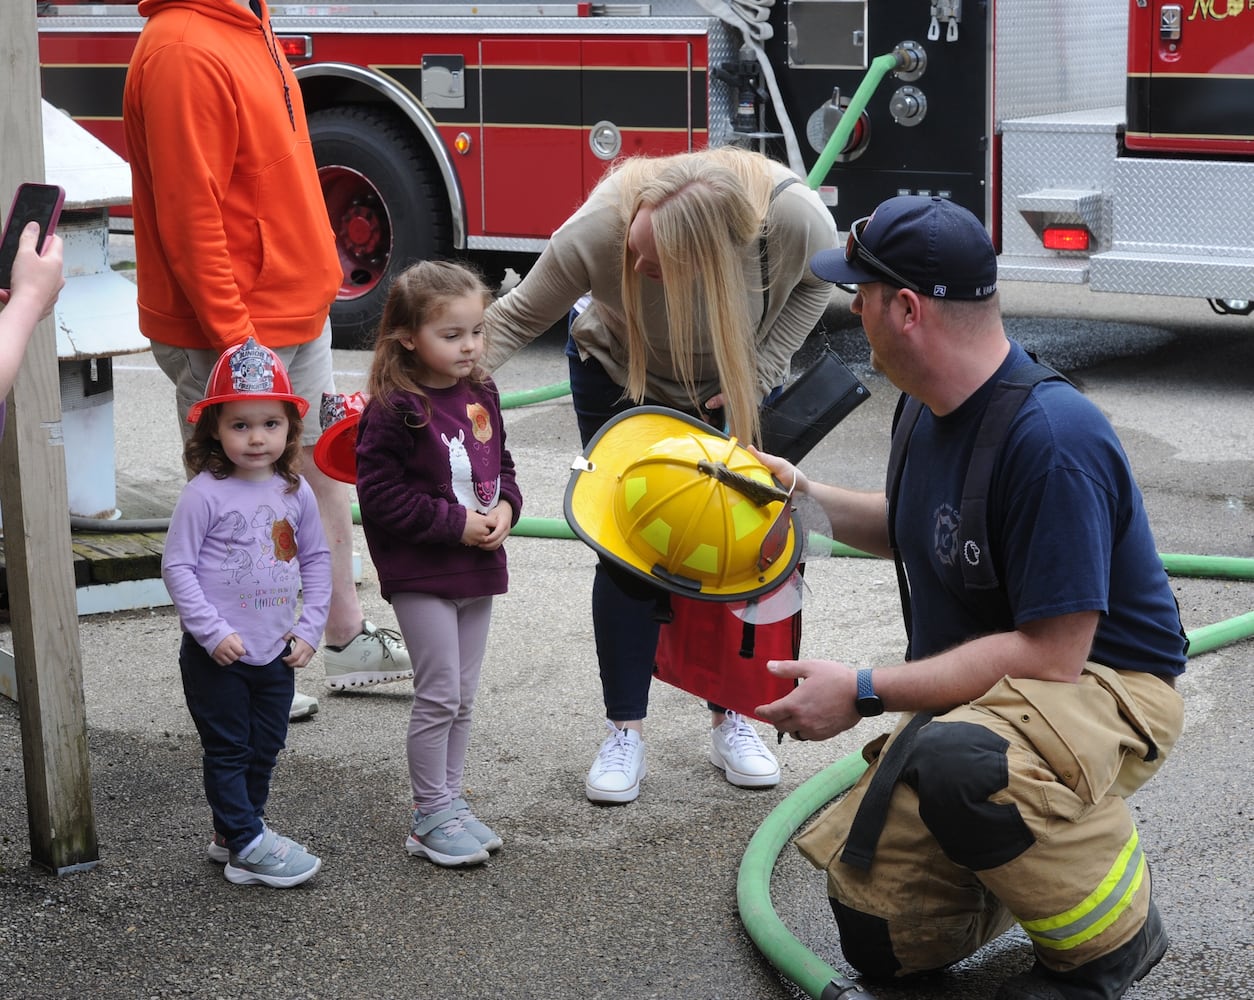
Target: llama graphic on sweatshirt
470	493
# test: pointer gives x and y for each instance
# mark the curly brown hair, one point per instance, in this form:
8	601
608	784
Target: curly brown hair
203	451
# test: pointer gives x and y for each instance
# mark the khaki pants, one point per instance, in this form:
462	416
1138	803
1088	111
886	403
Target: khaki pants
1046	839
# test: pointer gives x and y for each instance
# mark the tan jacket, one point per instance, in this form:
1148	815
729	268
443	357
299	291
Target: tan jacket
584	257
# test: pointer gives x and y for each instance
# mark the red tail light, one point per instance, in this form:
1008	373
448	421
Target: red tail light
1066	238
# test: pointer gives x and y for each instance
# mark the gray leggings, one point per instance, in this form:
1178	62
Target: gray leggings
446	641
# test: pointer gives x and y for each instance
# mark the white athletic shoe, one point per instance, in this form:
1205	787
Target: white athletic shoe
303	706
619	767
738	751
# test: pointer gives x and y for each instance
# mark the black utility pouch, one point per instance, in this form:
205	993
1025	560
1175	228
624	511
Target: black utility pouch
810	406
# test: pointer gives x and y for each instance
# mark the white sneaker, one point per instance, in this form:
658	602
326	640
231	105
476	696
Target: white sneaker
738	751
372	656
303	706
619	767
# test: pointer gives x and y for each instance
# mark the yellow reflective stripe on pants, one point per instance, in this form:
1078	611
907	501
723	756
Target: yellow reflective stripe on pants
1102	907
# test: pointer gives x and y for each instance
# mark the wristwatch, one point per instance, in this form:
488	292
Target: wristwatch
868	702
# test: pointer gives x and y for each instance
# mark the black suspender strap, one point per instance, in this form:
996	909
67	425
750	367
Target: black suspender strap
868	822
978	571
904	419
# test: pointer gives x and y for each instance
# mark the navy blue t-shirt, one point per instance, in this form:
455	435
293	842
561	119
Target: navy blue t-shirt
1067	531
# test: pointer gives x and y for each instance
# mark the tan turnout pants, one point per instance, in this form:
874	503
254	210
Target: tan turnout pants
1080	886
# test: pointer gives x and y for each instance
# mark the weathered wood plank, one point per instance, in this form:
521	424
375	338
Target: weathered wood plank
112	558
40	578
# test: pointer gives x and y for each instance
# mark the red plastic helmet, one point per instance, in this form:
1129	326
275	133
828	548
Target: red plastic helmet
336	450
247	371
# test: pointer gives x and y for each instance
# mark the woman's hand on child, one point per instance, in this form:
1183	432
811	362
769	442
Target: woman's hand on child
229	650
301	653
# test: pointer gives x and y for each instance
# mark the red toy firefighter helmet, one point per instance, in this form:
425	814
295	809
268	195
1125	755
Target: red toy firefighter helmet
336	451
683	506
247	371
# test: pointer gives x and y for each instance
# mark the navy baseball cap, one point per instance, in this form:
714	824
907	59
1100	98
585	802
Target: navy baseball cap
932	246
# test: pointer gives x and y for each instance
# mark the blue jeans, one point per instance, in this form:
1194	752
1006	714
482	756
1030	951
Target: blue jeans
624	607
241	713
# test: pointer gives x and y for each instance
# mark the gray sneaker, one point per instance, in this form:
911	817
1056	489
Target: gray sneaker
476	827
276	862
218	852
443	838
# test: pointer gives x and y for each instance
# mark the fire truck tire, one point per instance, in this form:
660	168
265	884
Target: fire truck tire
386	209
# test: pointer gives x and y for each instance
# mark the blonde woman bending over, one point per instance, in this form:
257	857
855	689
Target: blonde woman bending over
661	271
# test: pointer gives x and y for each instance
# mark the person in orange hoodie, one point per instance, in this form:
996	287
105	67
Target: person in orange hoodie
232	241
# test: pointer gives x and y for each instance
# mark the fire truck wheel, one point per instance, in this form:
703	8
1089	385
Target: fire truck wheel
386	208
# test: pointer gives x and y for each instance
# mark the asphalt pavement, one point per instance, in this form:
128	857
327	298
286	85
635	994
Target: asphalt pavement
624	901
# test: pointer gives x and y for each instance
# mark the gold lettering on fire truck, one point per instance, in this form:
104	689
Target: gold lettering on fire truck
1218	10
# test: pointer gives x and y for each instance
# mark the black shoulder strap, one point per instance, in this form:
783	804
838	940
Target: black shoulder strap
978	570
904	419
766	278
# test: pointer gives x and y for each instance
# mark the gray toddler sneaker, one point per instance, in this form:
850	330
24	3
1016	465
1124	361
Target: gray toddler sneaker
276	861
443	838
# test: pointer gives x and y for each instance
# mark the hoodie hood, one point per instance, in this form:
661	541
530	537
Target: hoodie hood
220	10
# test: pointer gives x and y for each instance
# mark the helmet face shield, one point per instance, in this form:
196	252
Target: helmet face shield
676	502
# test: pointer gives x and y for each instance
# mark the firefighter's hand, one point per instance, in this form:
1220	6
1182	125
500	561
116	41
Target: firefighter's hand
820	707
229	650
783	470
301	652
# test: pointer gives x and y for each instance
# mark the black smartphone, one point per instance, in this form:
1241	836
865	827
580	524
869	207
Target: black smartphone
33	203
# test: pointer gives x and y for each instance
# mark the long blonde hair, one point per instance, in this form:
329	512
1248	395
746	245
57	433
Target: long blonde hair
417	296
708	208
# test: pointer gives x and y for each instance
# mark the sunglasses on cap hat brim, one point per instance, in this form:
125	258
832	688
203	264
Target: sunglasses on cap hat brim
857	253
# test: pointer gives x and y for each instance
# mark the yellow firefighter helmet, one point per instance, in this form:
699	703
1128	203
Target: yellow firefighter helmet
683	506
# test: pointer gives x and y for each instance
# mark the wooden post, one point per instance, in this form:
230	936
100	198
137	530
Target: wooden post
38	556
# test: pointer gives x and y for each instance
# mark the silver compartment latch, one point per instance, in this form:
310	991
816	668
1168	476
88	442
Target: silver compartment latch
949	11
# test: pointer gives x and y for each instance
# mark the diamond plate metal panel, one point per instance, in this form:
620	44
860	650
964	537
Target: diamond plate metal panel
1190	205
1059	55
1049	152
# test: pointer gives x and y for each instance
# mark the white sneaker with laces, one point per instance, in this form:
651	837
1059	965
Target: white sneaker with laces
619	767
303	706
738	751
372	656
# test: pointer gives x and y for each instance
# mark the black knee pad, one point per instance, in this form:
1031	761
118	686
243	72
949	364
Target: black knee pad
955	767
865	942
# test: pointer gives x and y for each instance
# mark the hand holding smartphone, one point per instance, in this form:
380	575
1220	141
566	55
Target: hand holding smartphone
33	203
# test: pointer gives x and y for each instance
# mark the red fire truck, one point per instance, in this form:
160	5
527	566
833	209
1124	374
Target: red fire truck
1104	143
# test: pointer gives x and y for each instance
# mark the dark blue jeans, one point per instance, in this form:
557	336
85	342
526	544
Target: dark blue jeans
241	713
623	607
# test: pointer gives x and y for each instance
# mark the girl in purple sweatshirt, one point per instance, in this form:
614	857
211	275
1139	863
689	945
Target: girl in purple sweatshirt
437	494
246	546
